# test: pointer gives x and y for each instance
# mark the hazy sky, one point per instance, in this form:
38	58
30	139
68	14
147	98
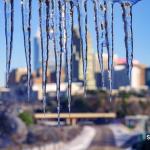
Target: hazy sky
141	28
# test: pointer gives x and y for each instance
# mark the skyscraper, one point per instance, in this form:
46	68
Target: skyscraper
37	54
90	65
76	56
77	72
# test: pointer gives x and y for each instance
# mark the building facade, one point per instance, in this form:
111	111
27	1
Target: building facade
77	72
147	77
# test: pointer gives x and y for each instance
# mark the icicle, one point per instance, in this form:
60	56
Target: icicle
109	39
127	19
100	30
62	25
46	52
51	20
44	34
69	31
58	53
26	6
9	29
82	18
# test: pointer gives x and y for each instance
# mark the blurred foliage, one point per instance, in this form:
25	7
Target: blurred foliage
27	118
124	95
123	103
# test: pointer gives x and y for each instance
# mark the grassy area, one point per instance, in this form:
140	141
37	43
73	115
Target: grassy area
27	118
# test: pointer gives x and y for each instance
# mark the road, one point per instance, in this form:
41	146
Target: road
90	138
81	142
103	140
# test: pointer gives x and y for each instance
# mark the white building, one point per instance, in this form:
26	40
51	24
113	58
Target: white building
138	75
77	89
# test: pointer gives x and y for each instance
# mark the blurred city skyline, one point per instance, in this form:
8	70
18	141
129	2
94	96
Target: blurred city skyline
140	26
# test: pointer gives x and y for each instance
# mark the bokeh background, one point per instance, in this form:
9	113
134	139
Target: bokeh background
95	123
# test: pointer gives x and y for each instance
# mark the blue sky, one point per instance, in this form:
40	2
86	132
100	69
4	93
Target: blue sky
141	28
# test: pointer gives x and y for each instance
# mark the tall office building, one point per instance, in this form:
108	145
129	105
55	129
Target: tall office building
77	73
119	74
37	54
91	85
76	56
97	70
105	62
17	76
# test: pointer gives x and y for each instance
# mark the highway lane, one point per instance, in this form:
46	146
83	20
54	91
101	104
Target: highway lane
83	140
103	140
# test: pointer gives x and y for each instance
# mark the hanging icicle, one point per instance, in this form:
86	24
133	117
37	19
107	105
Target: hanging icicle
82	19
69	32
9	29
56	24
127	19
51	20
44	35
108	15
62	25
26	9
58	53
100	30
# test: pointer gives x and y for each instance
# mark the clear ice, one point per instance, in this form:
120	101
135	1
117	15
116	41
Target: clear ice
82	19
69	31
26	12
44	34
100	32
62	8
9	29
127	19
108	15
58	53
